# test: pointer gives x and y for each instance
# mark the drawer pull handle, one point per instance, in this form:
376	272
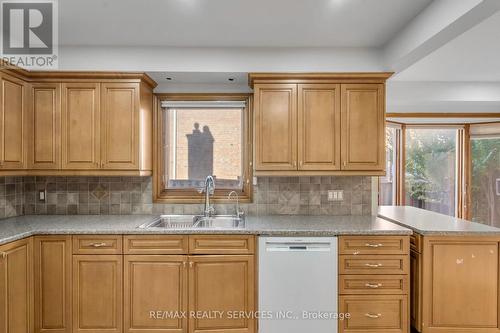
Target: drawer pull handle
374	245
98	244
373	285
373	265
373	316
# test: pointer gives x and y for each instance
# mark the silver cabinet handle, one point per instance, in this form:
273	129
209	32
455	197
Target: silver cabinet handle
98	244
373	265
373	285
374	245
191	264
373	316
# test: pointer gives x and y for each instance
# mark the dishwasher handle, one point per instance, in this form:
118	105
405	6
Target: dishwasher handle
298	247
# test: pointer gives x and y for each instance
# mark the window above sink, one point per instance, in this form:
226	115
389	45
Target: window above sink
201	135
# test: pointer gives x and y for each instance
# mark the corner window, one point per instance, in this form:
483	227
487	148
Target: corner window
431	169
201	138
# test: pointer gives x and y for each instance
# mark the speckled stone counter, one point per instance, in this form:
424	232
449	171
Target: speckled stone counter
24	226
429	223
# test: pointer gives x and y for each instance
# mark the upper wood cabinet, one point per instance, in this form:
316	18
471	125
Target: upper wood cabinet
120	125
80	126
16	287
275	127
44	131
363	127
13	96
319	126
63	123
308	124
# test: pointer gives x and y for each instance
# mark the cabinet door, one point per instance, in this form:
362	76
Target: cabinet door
52	284
319	126
45	126
224	283
16	285
12	120
156	293
97	293
460	287
363	127
275	127
120	126
80	126
415	290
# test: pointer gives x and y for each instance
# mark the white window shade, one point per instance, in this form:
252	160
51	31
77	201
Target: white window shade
485	130
204	104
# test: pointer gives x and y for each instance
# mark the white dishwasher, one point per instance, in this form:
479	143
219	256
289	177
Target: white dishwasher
298	284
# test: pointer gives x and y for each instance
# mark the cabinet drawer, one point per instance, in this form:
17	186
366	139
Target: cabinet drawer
373	284
221	244
374	245
155	244
97	244
416	242
373	264
378	313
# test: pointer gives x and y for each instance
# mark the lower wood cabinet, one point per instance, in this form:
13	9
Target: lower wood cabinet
16	287
155	293
52	262
224	286
97	293
459	289
374	313
373	284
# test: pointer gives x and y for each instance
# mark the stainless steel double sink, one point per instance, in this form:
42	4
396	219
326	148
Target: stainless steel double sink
195	222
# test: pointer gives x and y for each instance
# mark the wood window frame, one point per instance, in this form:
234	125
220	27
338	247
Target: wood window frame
399	149
162	195
463	171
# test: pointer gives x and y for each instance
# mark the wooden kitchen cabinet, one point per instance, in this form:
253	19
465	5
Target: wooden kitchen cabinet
460	285
120	125
363	127
319	126
45	126
16	287
275	107
97	293
154	286
80	126
416	290
222	283
52	263
13	109
75	123
373	283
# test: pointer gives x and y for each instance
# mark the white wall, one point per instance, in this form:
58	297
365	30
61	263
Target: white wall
219	59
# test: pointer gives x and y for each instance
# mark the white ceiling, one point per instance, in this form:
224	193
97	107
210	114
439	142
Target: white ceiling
235	23
473	56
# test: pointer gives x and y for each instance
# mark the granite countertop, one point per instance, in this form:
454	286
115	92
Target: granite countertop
429	223
20	227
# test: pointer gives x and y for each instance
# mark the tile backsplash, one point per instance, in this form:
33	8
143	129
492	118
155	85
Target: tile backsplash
11	196
133	195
